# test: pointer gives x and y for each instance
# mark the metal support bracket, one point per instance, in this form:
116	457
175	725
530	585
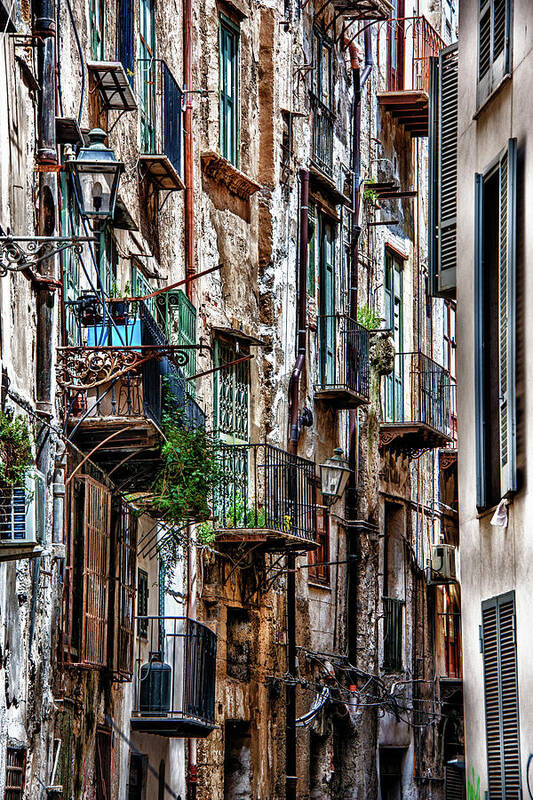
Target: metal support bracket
18	253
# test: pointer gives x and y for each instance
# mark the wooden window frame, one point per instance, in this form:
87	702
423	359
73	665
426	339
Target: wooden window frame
97	29
499	65
230	150
124	569
103	763
12	791
143	594
319	572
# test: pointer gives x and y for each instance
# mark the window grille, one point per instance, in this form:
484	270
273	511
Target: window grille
15	773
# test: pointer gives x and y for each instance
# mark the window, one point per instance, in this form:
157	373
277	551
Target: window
498	637
393	586
237	760
148	67
103	763
318	571
71	263
394	400
124	568
443	101
494	45
229	89
390	772
126	36
322	101
142	603
396	47
231	393
326	299
137	777
495	268
15	773
450	361
239	645
97	27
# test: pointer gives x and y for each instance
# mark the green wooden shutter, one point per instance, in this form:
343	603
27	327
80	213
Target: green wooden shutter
494	45
479	359
507	318
229	89
97	25
231	395
501	697
443	173
187	335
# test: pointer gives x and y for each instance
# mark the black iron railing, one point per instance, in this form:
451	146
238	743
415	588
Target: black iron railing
392	633
266	488
417	392
147	390
343	355
175	669
323	123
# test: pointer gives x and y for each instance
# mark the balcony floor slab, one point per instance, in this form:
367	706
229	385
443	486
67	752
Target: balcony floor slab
172	727
340	397
269	538
410	436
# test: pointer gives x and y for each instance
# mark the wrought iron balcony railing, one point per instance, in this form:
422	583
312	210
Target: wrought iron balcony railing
416	403
266	495
174	677
392	633
343	361
161	111
323	124
125	366
412	41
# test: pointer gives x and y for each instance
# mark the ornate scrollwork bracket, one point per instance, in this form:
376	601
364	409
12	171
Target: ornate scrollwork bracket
83	368
18	253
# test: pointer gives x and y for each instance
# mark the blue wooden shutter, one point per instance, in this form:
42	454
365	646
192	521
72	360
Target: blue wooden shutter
501	697
126	36
507	319
443	173
481	492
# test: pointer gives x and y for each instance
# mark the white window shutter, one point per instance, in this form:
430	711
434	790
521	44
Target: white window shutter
507	318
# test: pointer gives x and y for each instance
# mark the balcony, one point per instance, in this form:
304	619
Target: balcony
161	126
120	379
174	678
416	399
268	498
411	43
359	9
343	368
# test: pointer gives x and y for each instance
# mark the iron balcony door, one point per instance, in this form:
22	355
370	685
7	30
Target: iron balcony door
327	304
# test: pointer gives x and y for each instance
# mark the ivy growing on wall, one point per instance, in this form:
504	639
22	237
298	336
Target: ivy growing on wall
15	450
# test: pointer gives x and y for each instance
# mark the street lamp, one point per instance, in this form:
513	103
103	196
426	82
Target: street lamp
96	174
334	473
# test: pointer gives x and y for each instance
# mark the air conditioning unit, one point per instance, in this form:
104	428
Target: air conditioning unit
441	567
22	518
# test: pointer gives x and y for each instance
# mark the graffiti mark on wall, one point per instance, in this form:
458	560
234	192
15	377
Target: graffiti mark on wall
473	788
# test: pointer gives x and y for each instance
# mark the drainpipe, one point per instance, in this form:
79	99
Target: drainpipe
45	30
359	79
294	383
188	147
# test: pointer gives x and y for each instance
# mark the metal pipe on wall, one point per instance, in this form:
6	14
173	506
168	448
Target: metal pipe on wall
359	79
188	147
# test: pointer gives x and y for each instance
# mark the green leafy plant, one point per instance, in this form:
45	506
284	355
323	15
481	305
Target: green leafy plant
15	450
240	515
189	472
368	318
205	533
370	195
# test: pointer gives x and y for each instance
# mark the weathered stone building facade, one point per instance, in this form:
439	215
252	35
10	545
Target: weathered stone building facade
264	276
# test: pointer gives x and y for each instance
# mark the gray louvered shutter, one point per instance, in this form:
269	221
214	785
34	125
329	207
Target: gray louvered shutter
443	172
481	493
494	45
507	318
501	697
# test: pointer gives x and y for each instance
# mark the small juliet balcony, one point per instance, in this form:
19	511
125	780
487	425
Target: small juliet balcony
411	43
174	678
119	380
416	405
267	497
343	362
161	112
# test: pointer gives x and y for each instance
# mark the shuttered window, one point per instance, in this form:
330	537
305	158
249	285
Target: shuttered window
231	393
97	28
15	773
229	89
494	45
123	617
87	573
443	173
126	36
501	697
103	764
495	281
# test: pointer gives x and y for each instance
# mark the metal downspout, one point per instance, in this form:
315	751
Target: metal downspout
188	148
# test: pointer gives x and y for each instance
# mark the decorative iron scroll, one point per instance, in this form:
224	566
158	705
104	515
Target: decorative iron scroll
18	253
82	368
